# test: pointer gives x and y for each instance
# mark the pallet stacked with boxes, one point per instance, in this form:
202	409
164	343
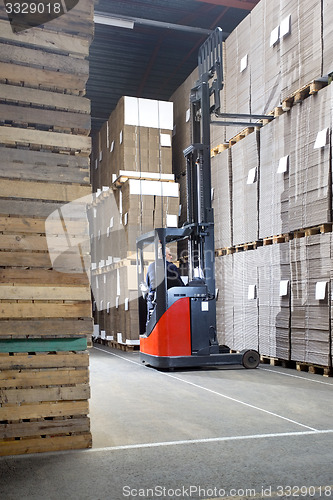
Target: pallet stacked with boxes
273	188
45	302
135	193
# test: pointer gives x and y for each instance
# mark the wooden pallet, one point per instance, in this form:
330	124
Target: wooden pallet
247	246
244	133
117	345
326	371
273	361
310	231
282	238
301	94
218	149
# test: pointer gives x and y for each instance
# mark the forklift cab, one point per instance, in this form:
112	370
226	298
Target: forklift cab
181	324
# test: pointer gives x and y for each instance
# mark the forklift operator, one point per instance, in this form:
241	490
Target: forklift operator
172	276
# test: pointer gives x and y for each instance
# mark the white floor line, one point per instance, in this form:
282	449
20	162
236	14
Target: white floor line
208	440
295	376
221	395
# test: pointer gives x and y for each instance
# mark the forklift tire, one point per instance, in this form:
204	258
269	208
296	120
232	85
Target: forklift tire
251	359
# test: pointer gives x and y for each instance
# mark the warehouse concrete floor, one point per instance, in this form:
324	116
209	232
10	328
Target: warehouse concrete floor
207	433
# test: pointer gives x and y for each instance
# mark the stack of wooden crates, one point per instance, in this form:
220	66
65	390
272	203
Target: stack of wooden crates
45	312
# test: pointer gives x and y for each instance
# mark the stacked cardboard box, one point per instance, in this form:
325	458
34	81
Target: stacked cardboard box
310	187
310	299
245	175
222	198
225	300
300	38
237	75
274	300
276	141
245	291
327	38
45	295
133	153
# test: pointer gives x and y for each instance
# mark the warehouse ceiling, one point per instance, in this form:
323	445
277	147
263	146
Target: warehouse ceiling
147	48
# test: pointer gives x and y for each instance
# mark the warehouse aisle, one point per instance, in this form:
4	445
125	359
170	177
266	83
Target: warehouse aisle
218	433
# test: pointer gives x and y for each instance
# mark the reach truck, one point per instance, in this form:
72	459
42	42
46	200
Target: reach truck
181	329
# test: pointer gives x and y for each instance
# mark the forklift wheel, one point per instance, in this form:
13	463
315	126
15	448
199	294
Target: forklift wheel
250	359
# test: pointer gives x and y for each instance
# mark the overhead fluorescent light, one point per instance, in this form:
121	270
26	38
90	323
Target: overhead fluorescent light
113	21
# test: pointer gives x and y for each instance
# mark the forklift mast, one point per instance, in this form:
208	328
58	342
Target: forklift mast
198	164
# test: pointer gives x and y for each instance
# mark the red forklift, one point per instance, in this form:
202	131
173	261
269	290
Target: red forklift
180	330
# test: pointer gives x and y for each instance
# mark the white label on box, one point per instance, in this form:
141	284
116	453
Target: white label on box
275	35
243	63
112	146
165	115
132	342
119	338
188	115
252	292
105	188
321	290
285	26
131	111
125	219
114	177
103	334
171	220
283	165
148	113
121	137
284	284
155	188
322	139
109	337
252	176
204	305
126	304
100	155
165	140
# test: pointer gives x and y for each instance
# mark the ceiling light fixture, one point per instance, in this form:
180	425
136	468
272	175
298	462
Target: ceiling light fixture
113	21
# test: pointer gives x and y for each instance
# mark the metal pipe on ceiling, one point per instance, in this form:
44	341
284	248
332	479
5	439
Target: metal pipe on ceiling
130	22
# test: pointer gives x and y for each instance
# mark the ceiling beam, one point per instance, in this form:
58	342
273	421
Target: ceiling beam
235	4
